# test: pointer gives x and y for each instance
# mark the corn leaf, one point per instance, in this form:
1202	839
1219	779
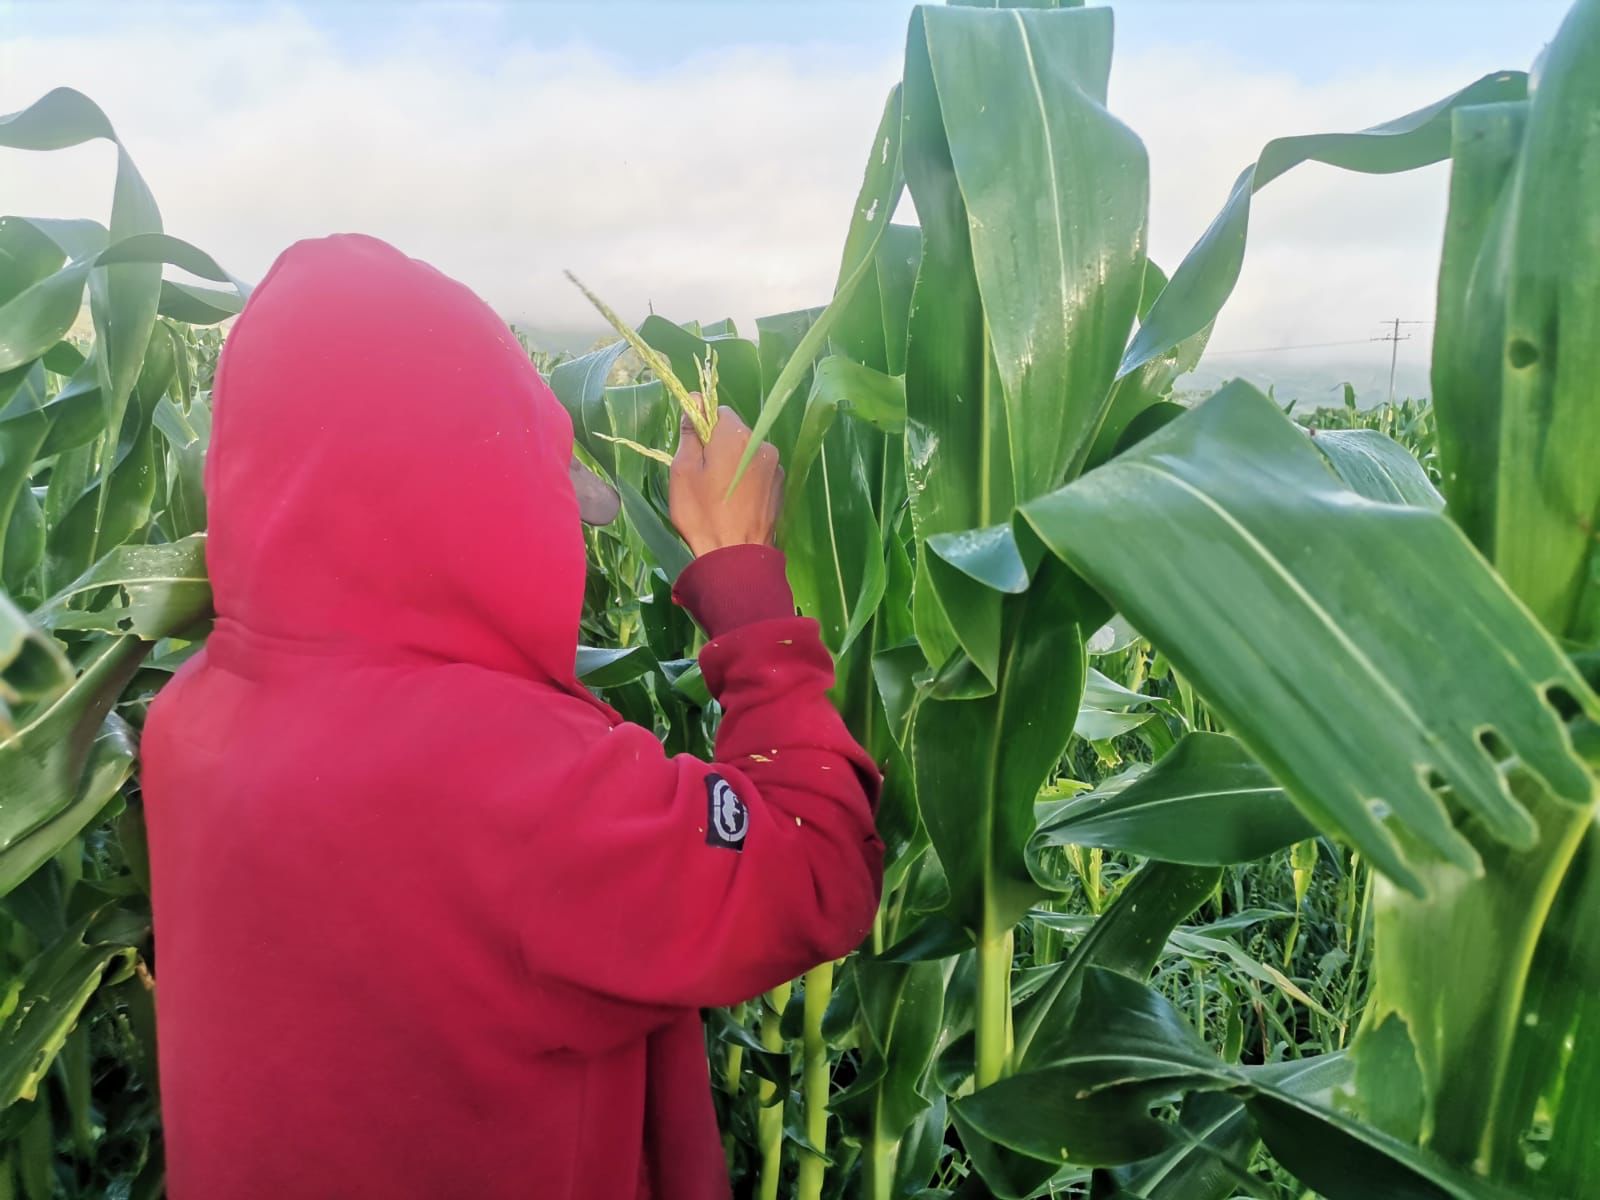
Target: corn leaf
1272	562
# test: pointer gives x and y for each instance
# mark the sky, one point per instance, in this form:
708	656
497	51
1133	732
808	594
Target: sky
702	157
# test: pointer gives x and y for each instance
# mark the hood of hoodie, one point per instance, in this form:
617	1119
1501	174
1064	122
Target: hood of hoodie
387	470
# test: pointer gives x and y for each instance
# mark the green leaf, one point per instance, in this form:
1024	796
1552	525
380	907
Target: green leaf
161	590
42	763
39	316
1209	1160
580	384
842	386
1128	1049
738	364
1204	280
670	554
26	256
1054	192
118	503
1377	467
44	1003
1269	561
980	763
901	1008
1469	336
32	666
1206	802
1128	937
1549	494
601	667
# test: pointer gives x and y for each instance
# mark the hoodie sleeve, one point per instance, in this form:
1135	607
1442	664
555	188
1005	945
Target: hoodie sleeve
704	884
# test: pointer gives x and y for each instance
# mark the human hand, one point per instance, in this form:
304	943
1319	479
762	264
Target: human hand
705	514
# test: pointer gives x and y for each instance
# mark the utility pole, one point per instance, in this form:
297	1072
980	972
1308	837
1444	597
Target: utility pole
1395	338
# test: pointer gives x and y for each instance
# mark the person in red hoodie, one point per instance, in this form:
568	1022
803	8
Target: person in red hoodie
431	921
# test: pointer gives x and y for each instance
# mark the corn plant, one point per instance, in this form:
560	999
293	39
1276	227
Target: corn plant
1200	880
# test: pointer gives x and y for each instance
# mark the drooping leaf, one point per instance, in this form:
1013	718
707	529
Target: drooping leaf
1270	562
44	1003
1377	467
163	589
1206	802
1204	280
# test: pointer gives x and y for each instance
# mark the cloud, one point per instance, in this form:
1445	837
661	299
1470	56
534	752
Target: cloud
717	185
722	184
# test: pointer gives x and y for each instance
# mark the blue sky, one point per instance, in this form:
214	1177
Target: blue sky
1312	40
703	156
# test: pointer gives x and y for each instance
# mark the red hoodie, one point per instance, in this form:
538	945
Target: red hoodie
431	921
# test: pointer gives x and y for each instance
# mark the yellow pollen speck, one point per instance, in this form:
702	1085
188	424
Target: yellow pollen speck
759	758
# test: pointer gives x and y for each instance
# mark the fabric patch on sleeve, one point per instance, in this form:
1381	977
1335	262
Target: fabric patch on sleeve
727	818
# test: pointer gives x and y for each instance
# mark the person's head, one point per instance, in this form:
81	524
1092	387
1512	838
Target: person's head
388	469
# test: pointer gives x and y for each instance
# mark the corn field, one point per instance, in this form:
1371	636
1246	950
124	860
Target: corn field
1239	773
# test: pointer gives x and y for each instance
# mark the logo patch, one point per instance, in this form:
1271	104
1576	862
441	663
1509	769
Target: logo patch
727	818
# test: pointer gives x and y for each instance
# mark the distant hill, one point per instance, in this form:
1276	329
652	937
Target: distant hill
1312	384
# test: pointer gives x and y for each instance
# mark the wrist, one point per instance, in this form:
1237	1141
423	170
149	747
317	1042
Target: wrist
735	585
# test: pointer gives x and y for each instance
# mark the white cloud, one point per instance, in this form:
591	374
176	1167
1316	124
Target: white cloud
721	185
717	185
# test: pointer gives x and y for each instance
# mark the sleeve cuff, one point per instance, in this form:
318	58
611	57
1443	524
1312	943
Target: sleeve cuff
734	586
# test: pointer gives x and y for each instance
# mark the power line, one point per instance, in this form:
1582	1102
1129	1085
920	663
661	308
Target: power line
1300	346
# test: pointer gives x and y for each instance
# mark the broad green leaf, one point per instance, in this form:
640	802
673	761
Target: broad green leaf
32	666
109	764
1469	336
980	763
1549	496
901	1006
829	528
1495	976
197	305
671	555
119	501
1128	1049
738	364
603	667
1098	725
842	386
1054	192
185	464
1377	467
1031	266
44	1003
580	384
26	257
1129	937
25	422
1209	1160
1269	561
1206	802
161	590
40	315
1204	280
42	762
